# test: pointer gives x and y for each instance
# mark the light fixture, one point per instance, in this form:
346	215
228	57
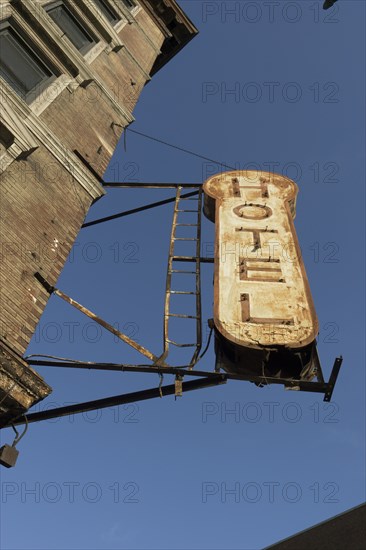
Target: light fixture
9	453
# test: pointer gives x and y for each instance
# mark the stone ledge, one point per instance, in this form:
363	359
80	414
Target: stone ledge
21	387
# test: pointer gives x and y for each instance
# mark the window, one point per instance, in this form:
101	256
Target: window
6	137
20	66
71	26
130	4
107	11
6	141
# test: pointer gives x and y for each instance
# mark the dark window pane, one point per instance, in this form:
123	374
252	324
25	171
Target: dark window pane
74	30
107	11
129	4
6	137
20	66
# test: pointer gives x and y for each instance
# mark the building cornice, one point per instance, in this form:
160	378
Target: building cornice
21	387
176	26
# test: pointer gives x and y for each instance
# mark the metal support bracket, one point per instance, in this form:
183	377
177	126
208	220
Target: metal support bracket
205	380
53	290
120	400
178	386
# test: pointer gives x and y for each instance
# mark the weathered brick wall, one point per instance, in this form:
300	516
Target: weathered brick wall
83	120
134	36
149	26
41	211
119	70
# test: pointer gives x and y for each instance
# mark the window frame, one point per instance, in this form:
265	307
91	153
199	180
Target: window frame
16	142
108	8
130	7
128	15
34	53
70	70
79	21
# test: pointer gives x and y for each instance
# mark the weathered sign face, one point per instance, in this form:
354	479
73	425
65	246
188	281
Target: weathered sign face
261	293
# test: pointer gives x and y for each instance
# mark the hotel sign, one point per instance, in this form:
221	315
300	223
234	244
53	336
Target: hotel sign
261	292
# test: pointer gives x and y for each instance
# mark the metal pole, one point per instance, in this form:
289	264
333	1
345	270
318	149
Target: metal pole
181	371
135	210
118	400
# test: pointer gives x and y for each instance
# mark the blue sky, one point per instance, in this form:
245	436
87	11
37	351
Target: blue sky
190	474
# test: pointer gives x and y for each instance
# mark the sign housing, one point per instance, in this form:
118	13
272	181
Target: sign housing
264	316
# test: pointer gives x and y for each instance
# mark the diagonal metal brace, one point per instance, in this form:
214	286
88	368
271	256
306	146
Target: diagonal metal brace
119	400
53	290
136	210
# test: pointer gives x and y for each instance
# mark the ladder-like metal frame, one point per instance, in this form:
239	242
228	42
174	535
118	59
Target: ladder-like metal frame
171	271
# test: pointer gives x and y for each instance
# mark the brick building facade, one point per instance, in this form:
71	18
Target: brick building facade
71	74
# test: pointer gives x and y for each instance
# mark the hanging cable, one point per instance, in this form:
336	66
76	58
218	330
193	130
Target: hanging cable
125	140
17	436
207	345
187	151
58	358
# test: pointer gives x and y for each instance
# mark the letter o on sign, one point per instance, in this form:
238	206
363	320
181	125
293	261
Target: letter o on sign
253	211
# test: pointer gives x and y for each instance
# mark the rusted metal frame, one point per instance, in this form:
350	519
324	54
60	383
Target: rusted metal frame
304	385
135	210
169	275
138	185
198	343
91	315
119	400
198	284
